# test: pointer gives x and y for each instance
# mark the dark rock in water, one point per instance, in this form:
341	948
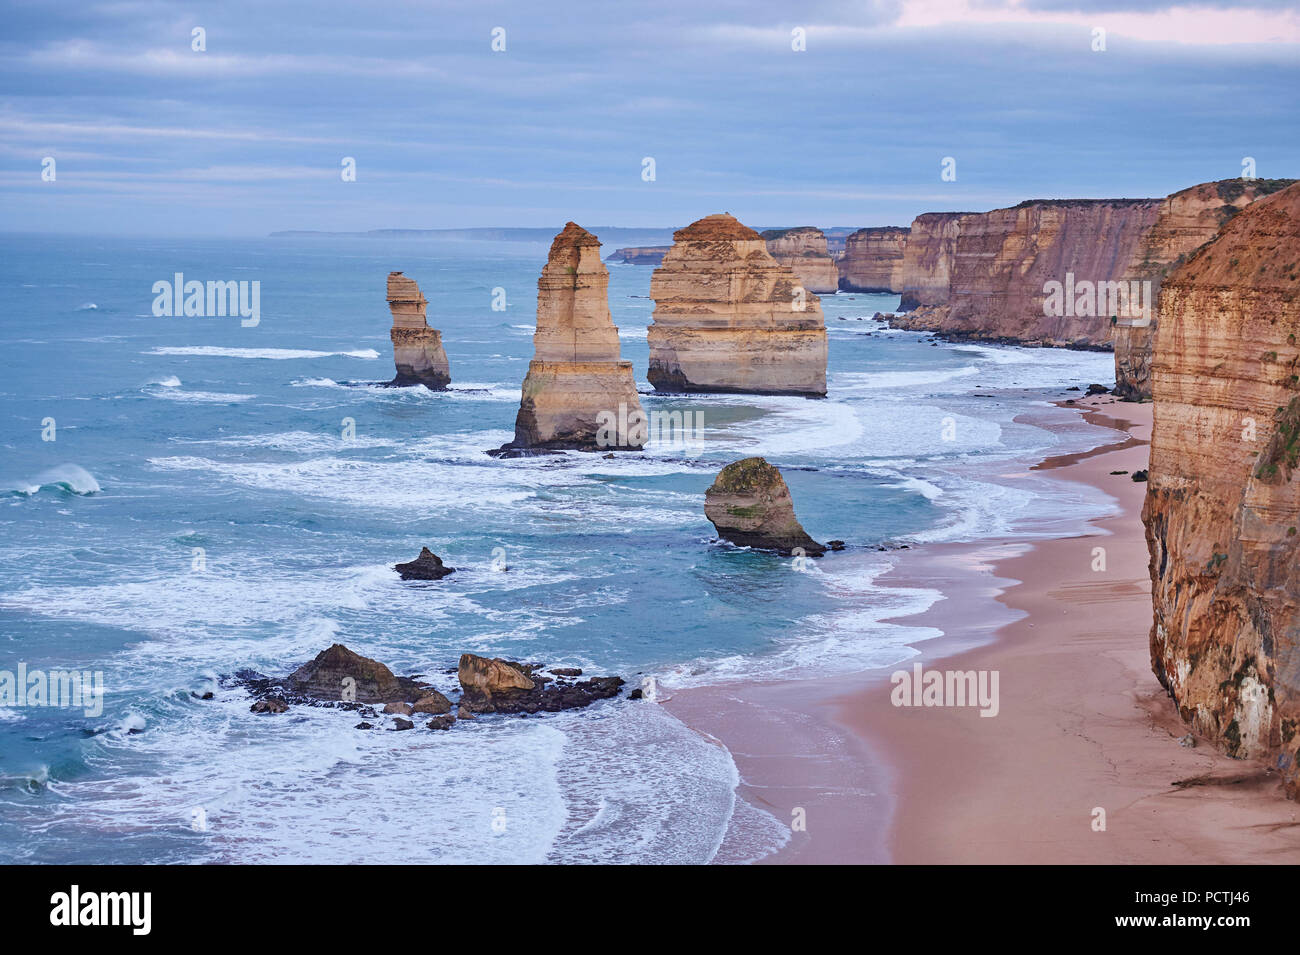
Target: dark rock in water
503	686
1119	472
208	695
463	712
401	724
432	702
1096	389
1073	388
566	671
338	671
835	545
401	709
364	726
272	704
749	505
635	694
428	566
1139	476
442	722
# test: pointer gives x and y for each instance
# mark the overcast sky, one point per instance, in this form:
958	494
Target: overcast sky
150	136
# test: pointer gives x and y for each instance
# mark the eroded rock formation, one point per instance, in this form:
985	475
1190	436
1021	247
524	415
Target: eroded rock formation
873	260
804	251
1223	500
986	276
578	394
428	566
417	348
730	318
337	673
749	505
639	255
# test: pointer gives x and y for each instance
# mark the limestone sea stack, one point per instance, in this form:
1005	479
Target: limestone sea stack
749	505
873	260
804	251
729	318
1223	498
417	348
578	394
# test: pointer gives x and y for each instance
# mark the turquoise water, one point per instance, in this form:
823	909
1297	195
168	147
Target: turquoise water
200	511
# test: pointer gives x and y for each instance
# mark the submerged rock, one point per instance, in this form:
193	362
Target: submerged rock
749	505
272	704
428	566
417	349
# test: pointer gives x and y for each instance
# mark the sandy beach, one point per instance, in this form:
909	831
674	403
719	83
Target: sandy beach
1083	732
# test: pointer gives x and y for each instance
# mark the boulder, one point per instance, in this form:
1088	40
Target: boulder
432	702
324	678
749	505
428	566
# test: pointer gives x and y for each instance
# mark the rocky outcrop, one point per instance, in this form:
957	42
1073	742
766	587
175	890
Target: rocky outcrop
749	505
804	251
729	318
338	674
503	686
642	255
873	260
578	394
1223	500
428	566
417	348
341	679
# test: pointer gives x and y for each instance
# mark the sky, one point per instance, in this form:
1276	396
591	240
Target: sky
818	112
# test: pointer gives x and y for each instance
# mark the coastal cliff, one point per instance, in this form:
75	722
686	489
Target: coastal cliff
1223	502
1082	273
578	393
873	260
804	251
1184	222
729	318
417	348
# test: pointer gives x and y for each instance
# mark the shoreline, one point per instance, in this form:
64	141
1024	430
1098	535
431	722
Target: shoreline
1082	724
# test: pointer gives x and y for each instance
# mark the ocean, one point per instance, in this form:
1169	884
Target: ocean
184	497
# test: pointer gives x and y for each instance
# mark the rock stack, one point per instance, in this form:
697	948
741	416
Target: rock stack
804	251
1223	499
873	260
417	348
749	505
730	318
578	394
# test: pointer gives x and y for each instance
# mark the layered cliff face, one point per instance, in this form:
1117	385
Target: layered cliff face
417	348
730	318
1184	222
1069	272
804	251
578	394
1223	503
928	257
873	260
